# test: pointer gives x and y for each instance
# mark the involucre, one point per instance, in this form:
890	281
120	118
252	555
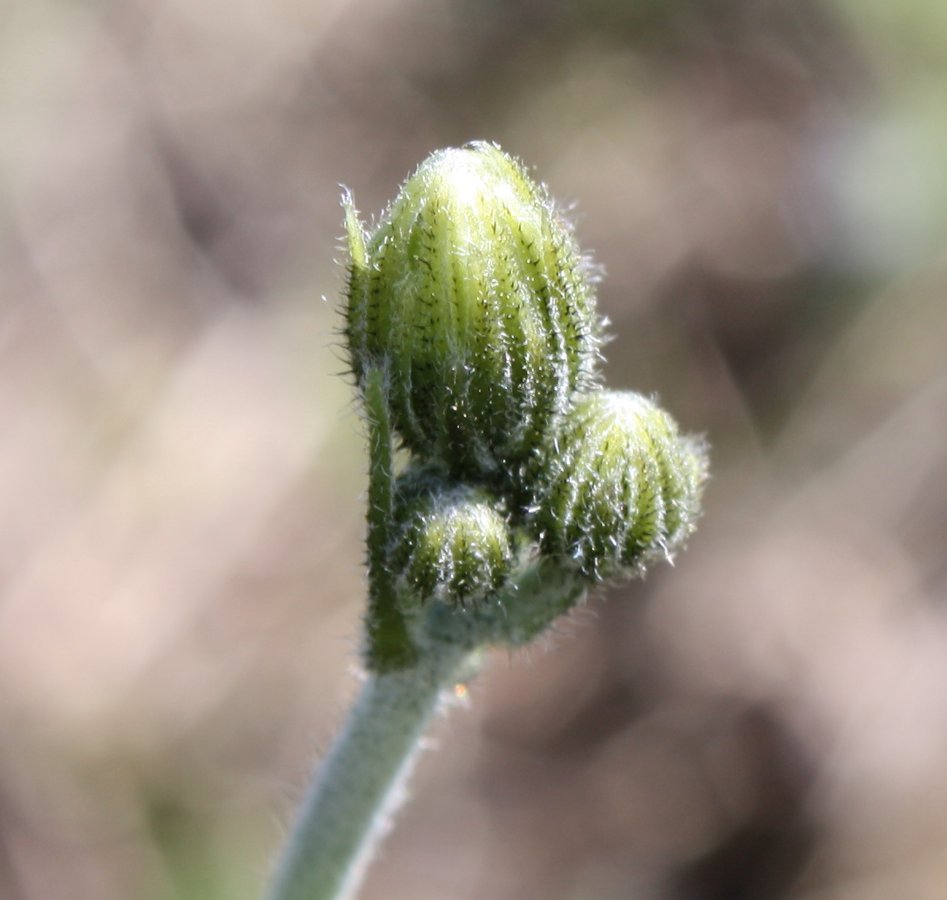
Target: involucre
472	295
617	485
452	541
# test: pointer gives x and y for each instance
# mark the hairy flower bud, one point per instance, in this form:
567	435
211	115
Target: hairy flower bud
473	296
453	542
618	485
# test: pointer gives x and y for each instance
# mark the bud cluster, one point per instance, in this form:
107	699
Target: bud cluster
473	301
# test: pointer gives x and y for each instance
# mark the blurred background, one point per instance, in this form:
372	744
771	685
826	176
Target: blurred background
182	473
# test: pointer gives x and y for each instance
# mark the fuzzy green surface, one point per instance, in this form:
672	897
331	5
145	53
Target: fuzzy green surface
453	542
539	592
358	786
473	295
388	646
619	486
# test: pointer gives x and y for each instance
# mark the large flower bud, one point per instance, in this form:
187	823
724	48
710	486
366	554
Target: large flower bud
452	541
618	485
473	296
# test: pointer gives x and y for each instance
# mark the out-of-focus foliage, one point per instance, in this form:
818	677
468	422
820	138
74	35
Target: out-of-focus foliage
181	471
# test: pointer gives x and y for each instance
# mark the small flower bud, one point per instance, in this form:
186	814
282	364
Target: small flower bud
453	541
473	296
618	485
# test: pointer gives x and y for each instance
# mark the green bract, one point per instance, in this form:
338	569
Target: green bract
452	542
617	485
473	297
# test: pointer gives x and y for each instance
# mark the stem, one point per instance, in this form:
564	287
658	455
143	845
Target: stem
358	786
348	806
389	646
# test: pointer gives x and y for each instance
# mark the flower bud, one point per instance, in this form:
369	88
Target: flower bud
473	296
618	485
453	541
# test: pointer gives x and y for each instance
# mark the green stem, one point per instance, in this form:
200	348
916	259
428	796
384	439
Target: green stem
358	785
389	646
349	804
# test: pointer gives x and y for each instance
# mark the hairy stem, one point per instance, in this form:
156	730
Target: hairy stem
359	784
389	646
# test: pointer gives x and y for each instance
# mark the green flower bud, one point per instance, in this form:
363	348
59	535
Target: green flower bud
453	542
472	295
618	485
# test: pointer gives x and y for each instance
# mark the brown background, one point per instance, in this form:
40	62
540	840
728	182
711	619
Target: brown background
181	473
